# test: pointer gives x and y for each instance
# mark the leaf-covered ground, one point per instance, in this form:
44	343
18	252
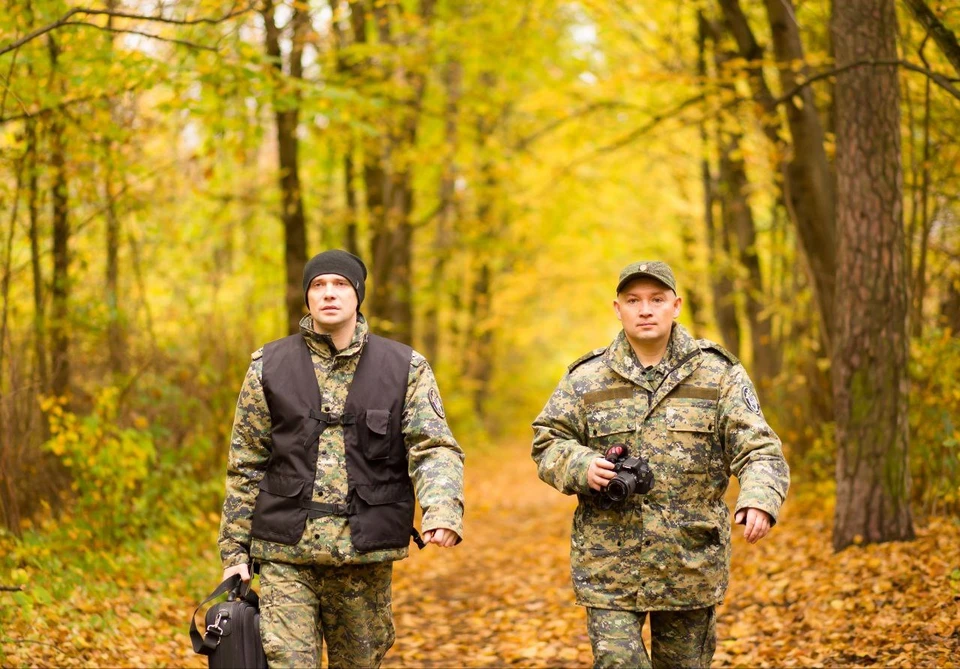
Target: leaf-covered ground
503	597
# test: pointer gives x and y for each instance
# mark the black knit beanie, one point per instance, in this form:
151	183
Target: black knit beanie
339	262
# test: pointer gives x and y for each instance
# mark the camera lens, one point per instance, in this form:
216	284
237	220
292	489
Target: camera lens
621	487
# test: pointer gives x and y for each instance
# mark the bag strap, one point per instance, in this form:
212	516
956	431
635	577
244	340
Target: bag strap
204	645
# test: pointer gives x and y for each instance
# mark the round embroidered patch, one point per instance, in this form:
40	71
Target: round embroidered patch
750	399
435	402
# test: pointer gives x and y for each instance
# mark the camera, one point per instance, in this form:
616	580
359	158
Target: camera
633	475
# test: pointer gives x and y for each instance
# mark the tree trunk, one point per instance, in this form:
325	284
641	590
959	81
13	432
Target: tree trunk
447	214
116	336
288	147
59	340
870	351
807	179
392	295
33	196
724	308
8	270
739	221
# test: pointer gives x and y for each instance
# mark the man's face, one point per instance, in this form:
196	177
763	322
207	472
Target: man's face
647	308
332	302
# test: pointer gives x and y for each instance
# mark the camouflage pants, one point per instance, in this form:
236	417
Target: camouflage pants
348	606
678	638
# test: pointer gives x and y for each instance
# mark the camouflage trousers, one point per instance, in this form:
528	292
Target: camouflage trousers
348	606
678	638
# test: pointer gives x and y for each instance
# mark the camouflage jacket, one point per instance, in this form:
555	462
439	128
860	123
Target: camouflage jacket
435	461
695	419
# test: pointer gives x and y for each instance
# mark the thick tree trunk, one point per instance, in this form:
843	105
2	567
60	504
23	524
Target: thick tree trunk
288	147
870	350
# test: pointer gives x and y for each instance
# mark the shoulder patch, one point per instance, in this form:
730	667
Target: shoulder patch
256	355
706	344
584	358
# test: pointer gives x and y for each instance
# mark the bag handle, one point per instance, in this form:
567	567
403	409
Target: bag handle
203	644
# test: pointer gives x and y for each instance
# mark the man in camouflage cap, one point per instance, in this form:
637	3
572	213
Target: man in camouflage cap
687	408
335	431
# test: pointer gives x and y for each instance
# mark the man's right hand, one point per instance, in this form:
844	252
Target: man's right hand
243	569
600	473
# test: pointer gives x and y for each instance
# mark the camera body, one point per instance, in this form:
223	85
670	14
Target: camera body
634	476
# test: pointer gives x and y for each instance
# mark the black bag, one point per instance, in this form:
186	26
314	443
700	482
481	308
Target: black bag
232	638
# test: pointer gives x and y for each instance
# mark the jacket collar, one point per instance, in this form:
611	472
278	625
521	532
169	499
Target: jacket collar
322	344
682	358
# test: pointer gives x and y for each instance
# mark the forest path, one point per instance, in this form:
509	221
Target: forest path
503	597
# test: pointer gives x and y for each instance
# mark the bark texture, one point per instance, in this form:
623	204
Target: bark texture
869	365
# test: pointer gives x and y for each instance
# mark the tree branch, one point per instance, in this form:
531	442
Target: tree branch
525	142
65	20
65	104
944	82
127	31
632	135
942	35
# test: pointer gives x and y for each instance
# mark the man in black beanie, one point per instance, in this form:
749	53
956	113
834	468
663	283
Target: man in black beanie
337	434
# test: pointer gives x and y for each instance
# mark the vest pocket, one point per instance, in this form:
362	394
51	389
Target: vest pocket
277	515
381	515
376	445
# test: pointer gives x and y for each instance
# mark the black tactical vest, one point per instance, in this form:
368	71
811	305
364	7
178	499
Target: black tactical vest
380	498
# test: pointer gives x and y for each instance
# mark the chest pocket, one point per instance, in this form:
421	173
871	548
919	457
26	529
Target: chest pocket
614	424
690	430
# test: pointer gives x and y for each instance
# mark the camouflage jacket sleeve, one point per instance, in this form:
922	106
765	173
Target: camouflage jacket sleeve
250	446
435	460
559	435
753	448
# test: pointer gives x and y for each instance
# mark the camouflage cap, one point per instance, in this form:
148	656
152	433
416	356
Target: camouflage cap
651	268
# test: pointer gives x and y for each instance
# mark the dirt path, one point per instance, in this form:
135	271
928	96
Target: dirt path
503	597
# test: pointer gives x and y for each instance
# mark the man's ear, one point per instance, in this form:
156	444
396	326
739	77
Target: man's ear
616	308
676	306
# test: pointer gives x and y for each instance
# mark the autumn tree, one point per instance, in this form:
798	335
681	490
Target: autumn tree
870	351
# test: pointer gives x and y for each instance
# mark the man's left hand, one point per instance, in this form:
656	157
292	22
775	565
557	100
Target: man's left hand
442	537
757	521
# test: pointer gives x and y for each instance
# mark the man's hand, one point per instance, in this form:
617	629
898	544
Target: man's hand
600	473
443	537
757	523
241	569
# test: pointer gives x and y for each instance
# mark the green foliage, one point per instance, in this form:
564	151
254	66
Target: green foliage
109	465
934	426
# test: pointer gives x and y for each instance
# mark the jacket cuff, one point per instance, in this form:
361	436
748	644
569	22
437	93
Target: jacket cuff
234	559
442	519
765	499
577	473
